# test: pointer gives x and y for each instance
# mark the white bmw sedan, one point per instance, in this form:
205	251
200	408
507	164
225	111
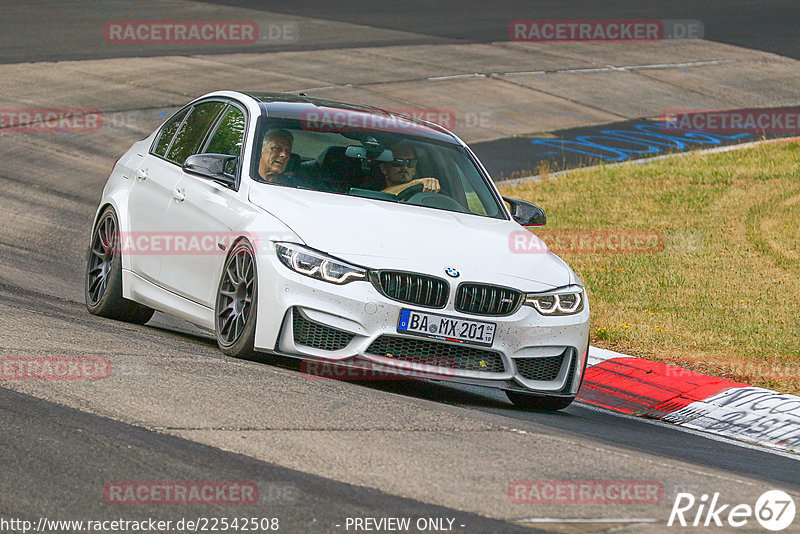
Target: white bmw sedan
342	235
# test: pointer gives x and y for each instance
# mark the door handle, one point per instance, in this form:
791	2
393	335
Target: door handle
179	194
141	175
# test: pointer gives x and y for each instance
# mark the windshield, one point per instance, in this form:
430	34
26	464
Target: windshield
392	165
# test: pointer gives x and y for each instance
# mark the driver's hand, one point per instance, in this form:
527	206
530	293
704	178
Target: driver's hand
430	185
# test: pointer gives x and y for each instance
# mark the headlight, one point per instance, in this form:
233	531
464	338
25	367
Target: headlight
564	301
318	265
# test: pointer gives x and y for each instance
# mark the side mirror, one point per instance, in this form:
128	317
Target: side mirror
211	166
525	213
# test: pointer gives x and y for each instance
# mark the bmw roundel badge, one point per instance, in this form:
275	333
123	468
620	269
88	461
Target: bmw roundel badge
452	272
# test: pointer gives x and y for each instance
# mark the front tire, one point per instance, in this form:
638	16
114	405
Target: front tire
103	280
529	401
235	310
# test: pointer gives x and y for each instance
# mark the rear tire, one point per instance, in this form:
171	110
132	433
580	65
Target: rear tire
529	401
235	310
103	280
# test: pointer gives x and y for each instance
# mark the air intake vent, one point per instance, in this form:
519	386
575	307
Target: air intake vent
318	336
437	354
545	369
413	288
482	299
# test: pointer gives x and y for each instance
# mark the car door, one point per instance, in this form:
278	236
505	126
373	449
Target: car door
199	216
155	182
151	190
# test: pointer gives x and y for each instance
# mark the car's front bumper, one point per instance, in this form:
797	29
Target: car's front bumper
356	326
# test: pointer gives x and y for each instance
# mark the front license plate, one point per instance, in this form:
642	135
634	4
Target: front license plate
446	328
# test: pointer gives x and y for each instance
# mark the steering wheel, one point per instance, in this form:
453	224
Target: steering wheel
409	192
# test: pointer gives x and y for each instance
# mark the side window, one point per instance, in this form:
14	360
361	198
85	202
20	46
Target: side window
167	132
193	131
228	137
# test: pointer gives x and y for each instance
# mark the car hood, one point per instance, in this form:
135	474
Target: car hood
385	235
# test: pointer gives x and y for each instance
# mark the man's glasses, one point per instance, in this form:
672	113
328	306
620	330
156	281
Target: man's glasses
400	162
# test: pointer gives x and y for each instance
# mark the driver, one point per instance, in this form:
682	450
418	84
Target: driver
399	174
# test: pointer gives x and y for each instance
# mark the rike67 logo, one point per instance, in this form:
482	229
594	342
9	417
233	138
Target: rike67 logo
774	510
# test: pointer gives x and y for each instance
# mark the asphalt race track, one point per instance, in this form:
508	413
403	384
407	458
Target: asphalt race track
768	25
39	437
320	451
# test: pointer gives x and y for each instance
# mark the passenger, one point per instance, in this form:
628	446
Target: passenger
276	150
399	174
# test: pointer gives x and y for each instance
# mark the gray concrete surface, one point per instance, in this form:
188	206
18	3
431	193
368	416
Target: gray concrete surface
45	30
55	30
39	437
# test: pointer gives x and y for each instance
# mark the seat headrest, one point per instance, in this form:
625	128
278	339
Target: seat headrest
294	162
